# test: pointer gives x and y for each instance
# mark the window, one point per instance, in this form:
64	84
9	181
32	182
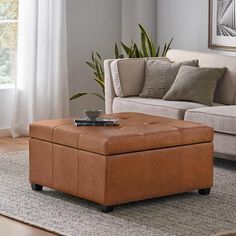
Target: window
8	40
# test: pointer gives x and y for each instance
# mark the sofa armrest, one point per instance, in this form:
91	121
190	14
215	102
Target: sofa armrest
109	88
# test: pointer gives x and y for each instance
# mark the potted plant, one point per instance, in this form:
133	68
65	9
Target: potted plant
148	49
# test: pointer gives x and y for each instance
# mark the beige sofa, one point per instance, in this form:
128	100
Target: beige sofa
221	116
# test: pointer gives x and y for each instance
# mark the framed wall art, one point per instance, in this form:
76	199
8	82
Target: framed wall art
222	24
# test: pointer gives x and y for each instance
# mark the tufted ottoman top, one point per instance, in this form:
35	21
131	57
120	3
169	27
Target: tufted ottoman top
136	132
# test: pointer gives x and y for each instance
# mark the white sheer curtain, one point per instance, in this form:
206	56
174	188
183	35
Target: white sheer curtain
42	83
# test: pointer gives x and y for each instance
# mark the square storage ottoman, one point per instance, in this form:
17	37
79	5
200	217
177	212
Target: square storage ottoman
145	157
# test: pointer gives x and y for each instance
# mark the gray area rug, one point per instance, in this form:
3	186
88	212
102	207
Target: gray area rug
183	214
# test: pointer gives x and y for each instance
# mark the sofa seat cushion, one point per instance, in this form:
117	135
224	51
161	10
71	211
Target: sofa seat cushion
170	109
221	118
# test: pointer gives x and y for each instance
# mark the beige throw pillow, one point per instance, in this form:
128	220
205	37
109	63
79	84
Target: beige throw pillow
128	75
195	84
160	75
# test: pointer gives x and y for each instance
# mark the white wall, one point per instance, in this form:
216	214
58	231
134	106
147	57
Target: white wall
134	12
91	26
187	22
184	20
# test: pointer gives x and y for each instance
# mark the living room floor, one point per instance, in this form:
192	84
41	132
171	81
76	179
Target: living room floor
9	226
8	144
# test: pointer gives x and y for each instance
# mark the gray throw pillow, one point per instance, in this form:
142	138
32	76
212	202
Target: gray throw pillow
195	84
160	75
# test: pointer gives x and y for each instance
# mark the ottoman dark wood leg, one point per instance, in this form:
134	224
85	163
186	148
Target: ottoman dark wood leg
37	187
204	191
106	209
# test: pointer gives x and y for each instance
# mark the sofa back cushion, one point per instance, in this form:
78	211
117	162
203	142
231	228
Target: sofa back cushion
128	76
226	89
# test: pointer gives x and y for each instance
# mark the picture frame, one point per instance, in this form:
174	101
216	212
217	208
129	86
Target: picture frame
222	25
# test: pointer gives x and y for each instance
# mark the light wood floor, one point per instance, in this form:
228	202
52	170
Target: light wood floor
8	144
10	227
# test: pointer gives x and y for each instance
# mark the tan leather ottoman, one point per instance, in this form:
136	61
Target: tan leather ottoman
145	157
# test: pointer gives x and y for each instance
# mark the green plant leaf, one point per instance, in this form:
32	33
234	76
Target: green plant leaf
132	50
117	54
90	64
98	95
143	42
95	73
163	52
151	46
126	48
78	95
92	56
141	54
136	51
100	82
98	55
101	71
158	51
98	72
168	46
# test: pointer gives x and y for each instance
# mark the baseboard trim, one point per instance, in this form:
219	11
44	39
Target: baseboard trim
5	132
